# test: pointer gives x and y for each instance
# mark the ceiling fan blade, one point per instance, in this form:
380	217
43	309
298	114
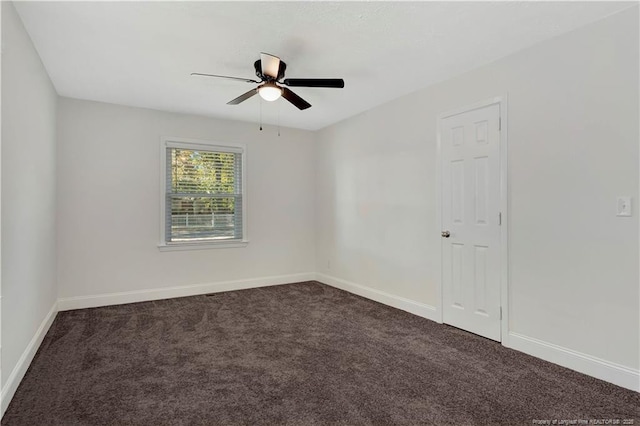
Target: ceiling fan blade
243	97
248	80
336	83
295	99
270	65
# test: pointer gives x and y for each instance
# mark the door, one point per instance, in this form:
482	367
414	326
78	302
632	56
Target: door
470	165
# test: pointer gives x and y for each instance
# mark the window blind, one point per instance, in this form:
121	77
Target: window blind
203	195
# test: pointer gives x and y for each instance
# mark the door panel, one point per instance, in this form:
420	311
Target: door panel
470	159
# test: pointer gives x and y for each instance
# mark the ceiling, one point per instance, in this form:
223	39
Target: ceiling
141	53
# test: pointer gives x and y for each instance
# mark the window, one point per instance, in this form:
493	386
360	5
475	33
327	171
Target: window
203	195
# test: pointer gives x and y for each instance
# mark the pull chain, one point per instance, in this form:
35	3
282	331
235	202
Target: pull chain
279	102
260	114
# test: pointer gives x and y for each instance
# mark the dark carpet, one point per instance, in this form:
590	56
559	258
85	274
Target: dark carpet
298	354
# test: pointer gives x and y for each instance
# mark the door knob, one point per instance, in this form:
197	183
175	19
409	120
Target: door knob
445	234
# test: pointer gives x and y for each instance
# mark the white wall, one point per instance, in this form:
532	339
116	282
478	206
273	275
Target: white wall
28	195
369	206
573	148
109	205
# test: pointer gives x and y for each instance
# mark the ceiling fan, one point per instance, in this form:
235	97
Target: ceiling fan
270	69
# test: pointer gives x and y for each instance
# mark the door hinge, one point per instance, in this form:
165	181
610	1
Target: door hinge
499	218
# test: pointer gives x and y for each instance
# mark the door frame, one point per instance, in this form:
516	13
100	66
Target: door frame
501	101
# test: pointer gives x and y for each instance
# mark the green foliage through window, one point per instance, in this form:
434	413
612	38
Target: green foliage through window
204	197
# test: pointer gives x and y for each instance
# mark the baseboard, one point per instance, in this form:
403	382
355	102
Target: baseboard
604	370
411	306
94	301
592	366
21	367
614	373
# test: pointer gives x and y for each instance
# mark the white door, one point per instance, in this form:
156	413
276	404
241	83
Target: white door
470	164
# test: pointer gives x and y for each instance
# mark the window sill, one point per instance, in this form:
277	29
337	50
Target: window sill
201	246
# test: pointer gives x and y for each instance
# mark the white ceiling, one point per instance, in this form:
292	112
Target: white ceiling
141	53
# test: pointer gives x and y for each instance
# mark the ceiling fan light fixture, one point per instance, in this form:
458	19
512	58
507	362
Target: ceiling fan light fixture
269	92
270	69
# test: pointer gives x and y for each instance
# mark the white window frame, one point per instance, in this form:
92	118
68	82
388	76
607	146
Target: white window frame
195	144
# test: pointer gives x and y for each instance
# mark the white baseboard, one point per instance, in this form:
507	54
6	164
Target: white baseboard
411	306
601	369
21	367
620	375
94	301
592	366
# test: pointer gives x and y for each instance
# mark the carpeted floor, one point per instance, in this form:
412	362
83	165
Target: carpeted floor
298	354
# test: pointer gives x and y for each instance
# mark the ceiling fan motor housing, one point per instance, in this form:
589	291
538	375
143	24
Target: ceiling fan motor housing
281	69
270	69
